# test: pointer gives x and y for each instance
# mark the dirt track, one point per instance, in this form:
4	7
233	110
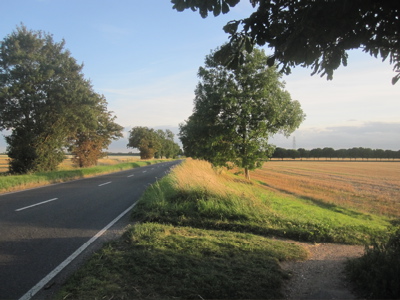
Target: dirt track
321	275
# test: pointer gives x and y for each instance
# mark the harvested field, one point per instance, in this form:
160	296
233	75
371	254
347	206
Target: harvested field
372	187
3	163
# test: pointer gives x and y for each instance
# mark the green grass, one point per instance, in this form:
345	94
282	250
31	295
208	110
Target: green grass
155	261
258	211
207	234
14	182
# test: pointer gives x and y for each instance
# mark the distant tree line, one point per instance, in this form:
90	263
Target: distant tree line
330	153
153	143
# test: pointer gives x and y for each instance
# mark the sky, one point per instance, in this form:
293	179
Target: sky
143	56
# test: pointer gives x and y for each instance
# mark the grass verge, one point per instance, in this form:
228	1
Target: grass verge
9	183
155	261
202	235
195	195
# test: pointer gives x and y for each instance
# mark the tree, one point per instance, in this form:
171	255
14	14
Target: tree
293	153
328	152
146	140
236	111
168	147
43	99
316	153
309	33
88	143
280	153
303	153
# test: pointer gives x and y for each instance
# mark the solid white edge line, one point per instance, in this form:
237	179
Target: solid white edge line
28	295
40	203
105	183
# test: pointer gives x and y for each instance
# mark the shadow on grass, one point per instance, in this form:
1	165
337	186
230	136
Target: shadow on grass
203	209
157	261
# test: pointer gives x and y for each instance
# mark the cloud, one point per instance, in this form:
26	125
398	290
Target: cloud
375	135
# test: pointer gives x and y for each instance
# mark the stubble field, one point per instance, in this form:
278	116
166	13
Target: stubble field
372	187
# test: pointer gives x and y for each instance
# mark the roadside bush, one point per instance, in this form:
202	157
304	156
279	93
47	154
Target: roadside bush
377	272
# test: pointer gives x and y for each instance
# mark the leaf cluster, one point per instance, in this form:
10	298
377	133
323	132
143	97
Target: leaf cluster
205	6
314	34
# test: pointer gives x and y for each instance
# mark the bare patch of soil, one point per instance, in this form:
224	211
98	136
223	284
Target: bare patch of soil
321	276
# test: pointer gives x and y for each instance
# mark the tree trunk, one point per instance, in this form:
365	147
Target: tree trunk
247	173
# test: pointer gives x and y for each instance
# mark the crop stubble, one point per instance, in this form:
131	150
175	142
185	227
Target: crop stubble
372	187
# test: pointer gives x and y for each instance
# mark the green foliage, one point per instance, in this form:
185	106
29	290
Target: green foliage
154	261
169	149
88	143
146	140
152	143
309	33
377	272
44	100
236	111
215	6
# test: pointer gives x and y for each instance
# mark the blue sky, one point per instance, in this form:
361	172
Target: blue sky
144	56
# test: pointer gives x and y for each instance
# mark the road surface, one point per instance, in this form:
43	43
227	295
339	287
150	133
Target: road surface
43	230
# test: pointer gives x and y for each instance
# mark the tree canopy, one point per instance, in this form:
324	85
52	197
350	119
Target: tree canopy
169	149
146	140
44	100
153	143
309	33
236	111
88	143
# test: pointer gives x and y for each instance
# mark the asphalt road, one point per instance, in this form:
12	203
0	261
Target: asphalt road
44	227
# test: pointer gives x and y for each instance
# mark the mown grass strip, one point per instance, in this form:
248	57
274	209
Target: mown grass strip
10	183
155	261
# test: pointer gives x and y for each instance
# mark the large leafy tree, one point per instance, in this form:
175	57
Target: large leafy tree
308	32
146	140
44	99
236	111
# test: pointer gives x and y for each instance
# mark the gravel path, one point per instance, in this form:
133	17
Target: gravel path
321	275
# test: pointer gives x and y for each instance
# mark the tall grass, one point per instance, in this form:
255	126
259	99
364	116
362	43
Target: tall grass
197	195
